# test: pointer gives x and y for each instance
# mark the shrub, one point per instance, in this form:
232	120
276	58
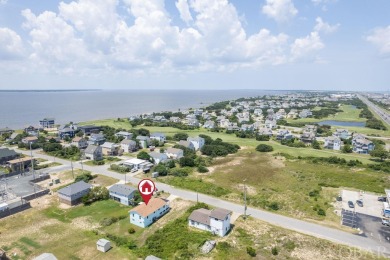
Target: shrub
264	148
274	206
262	138
289	245
321	212
101	162
86	177
131	230
223	246
251	251
275	250
202	169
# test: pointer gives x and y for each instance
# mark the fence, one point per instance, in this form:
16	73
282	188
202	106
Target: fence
36	195
13	209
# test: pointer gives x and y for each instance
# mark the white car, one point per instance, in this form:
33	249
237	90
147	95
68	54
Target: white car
386	222
134	170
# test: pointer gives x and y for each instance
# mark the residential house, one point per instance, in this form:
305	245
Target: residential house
122	193
270	123
47	122
342	133
174	153
209	124
216	221
175	119
362	145
97	139
111	149
292	114
245	127
193	122
187	144
160	137
138	164
145	214
90	129
265	131
305	113
79	142
30	140
310	128
73	193
284	134
7	155
333	143
258	112
125	135
93	152
20	164
66	132
159	119
103	245
131	118
31	130
143	141
197	141
128	146
308	137
6	130
158	157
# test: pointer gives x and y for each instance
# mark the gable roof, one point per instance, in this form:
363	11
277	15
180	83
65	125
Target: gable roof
77	139
185	143
153	205
121	189
128	142
75	188
5	152
173	150
141	137
201	216
160	156
91	148
102	242
219	213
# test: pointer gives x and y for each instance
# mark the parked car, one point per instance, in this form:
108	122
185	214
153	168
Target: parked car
385	222
360	203
383	199
350	204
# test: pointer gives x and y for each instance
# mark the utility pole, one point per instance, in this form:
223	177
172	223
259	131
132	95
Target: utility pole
32	165
81	161
245	200
125	178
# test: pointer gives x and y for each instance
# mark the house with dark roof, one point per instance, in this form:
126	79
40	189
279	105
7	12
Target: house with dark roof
216	221
122	193
93	152
6	130
66	132
73	193
89	129
47	122
145	215
128	146
31	130
7	155
97	139
158	157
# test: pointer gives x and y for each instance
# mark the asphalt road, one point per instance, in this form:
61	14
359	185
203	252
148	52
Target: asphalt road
379	111
334	235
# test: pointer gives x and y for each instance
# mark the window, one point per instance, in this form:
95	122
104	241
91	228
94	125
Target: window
192	222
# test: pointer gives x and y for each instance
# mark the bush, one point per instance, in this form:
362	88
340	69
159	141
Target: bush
180	136
262	138
143	155
101	162
202	169
86	177
264	148
95	194
131	230
119	168
183	172
275	250
321	212
223	246
274	206
251	251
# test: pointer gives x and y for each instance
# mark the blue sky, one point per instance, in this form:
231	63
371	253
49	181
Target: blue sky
195	44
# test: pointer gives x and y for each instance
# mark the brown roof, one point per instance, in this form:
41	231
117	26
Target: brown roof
31	138
24	159
77	139
153	205
220	213
201	216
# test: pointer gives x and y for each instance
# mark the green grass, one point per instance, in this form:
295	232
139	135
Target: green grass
109	122
29	242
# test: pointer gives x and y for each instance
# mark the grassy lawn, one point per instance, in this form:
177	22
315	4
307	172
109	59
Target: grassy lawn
109	122
103	180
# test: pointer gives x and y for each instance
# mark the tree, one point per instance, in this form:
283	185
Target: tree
264	148
95	194
180	136
316	145
262	137
143	155
380	153
186	161
347	149
161	169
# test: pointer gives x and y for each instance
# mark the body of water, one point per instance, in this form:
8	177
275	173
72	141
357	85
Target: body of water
18	109
342	123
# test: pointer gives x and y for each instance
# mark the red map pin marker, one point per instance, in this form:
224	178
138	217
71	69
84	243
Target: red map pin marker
146	187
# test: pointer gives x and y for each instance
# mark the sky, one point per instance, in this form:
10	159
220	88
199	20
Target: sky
195	44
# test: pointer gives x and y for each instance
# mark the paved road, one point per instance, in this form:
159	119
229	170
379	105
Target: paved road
379	111
334	235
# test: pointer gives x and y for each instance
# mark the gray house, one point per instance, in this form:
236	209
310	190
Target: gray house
122	193
158	157
93	152
143	141
7	155
128	146
73	193
97	139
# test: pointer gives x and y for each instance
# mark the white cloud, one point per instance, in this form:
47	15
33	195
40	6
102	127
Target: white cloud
322	26
3	2
307	46
380	37
280	10
184	10
11	46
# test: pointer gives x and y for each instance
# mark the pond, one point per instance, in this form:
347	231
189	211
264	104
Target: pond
342	123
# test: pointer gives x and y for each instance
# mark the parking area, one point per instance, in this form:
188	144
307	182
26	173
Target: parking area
371	205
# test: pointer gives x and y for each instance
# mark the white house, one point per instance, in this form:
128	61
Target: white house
216	221
122	193
79	142
143	141
174	153
160	137
124	134
332	142
138	164
144	215
342	133
198	142
103	245
158	157
128	145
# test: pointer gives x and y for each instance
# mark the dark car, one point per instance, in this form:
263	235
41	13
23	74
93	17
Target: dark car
383	199
360	203
350	204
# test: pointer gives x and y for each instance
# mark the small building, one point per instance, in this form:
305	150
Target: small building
362	145
73	193
160	137
7	155
174	153
198	142
265	131
342	134
47	122
125	135
80	142
20	164
209	124
158	157
143	141
93	152
103	245
31	130
66	132
284	134
122	193
45	256
110	149
187	144
216	221
128	146
30	140
138	164
145	215
6	130
97	139
333	143
90	129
